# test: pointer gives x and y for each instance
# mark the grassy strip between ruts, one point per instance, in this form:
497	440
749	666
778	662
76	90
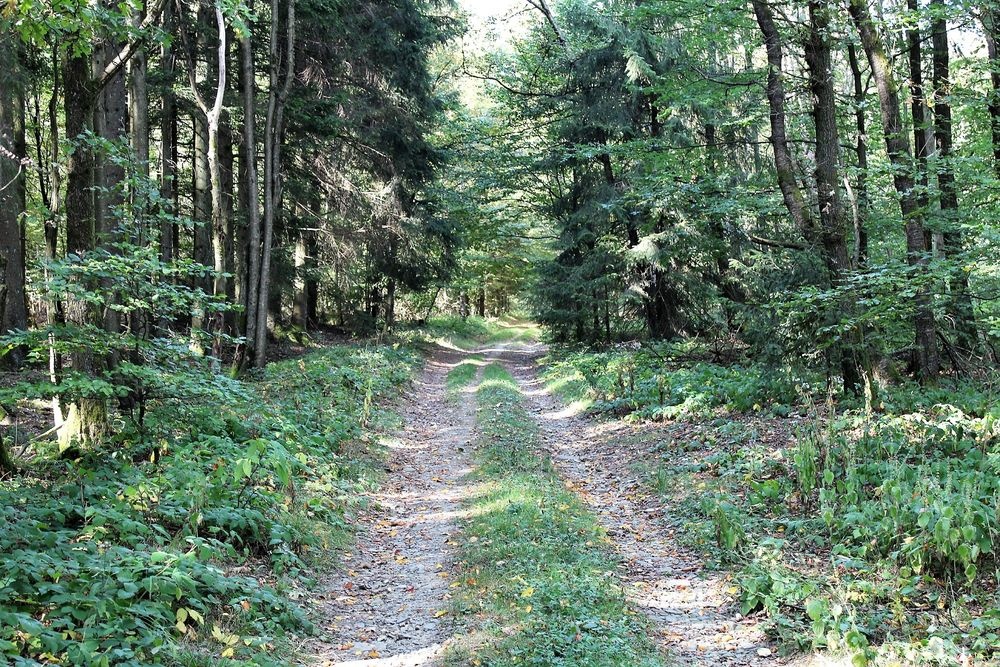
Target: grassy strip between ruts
463	374
536	577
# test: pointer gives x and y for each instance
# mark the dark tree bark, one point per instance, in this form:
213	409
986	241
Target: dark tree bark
961	308
138	104
784	164
918	113
13	304
926	359
168	139
861	198
225	239
273	133
248	165
111	123
831	212
86	419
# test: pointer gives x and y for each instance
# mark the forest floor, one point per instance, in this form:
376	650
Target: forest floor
388	606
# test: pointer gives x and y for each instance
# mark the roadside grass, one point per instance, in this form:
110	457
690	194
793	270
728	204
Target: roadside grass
537	587
867	532
188	542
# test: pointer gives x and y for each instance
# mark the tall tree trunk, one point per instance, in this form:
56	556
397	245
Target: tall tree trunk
111	124
926	362
168	140
784	164
138	105
86	419
273	130
918	113
53	307
13	306
831	212
248	163
227	162
861	198
961	308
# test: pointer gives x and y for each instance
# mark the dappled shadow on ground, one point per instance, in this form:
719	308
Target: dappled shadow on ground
385	606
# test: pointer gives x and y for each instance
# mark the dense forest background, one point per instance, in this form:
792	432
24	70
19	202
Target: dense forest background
814	183
811	186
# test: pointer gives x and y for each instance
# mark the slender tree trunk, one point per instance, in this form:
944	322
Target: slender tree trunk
248	162
138	104
831	212
168	140
784	164
918	112
201	197
961	308
926	358
53	307
274	126
861	201
227	162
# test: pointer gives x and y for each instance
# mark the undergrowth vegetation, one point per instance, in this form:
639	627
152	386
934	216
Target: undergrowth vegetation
869	531
188	540
647	382
536	574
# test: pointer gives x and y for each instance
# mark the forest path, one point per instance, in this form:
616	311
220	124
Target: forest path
695	620
385	606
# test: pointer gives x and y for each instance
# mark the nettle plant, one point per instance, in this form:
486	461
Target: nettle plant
136	299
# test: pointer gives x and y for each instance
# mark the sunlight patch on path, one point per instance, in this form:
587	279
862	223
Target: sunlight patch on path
387	605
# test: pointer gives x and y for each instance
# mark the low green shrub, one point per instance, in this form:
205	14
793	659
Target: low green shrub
187	538
648	382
